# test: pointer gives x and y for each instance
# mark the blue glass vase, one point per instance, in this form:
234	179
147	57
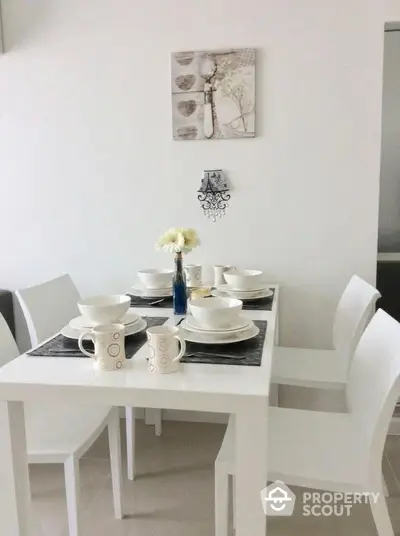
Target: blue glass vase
179	287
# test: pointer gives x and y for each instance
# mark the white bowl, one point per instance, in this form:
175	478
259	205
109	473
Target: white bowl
153	278
244	279
104	309
215	312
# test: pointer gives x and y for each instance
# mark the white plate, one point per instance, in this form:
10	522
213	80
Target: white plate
151	293
191	324
261	286
80	322
218	338
131	329
222	292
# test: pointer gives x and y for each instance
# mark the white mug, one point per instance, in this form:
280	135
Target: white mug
219	270
109	346
164	354
193	275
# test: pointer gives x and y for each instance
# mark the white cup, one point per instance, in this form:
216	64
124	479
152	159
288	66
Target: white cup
109	346
219	270
164	354
193	275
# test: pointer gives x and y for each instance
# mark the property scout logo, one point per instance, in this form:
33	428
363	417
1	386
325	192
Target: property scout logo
277	499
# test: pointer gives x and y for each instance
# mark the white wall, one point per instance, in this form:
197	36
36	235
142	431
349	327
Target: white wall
389	206
391	10
90	175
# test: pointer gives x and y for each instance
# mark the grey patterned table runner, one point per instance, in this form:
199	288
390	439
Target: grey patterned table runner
60	346
241	353
263	304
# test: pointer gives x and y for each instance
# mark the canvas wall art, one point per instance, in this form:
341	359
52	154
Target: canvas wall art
213	94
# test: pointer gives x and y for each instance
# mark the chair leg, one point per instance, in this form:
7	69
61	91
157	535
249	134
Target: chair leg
381	516
72	488
221	500
384	486
154	416
130	440
114	439
158	421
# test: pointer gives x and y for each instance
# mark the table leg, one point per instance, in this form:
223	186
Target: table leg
251	467
276	338
274	389
15	506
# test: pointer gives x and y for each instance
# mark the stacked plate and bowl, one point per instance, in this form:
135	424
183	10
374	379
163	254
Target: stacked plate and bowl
217	321
104	310
245	285
154	284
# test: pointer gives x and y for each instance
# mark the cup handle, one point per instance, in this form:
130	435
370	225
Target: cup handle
183	348
80	344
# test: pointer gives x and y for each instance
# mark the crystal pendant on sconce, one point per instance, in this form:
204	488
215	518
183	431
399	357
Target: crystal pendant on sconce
214	194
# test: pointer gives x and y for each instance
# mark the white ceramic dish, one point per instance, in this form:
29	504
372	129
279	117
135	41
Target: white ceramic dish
151	294
243	294
213	313
131	329
81	322
104	309
218	338
244	279
153	278
242	323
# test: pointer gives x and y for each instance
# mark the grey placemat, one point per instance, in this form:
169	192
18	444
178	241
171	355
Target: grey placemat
208	353
60	346
137	301
264	304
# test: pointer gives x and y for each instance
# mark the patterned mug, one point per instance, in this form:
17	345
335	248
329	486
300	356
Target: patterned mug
193	275
109	346
164	354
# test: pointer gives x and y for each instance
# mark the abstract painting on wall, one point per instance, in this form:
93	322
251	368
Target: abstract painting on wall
213	94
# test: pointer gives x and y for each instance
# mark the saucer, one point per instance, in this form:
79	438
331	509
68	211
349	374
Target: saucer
223	290
80	322
71	333
191	324
151	293
220	338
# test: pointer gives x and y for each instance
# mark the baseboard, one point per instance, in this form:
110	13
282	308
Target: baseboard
220	418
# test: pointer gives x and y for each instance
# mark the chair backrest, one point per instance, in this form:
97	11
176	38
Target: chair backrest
49	306
8	346
354	310
374	381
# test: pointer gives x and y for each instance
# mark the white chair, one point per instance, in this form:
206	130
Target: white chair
332	451
48	307
328	369
63	433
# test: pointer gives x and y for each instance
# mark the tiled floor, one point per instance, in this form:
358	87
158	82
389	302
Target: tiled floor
173	493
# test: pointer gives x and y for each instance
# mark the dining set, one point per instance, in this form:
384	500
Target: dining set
92	356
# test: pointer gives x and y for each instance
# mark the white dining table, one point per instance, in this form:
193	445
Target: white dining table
240	390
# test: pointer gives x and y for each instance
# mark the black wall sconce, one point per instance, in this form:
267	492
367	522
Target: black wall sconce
214	194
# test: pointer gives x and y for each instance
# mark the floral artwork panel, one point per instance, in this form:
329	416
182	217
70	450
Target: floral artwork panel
213	94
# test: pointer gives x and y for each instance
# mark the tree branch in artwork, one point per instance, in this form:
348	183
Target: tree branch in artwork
237	93
238	118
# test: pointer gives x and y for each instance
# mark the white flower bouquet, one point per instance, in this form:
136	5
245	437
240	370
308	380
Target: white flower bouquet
178	240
